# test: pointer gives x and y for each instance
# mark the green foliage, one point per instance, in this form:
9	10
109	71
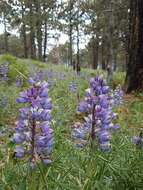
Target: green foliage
73	168
8	58
118	79
16	69
8	111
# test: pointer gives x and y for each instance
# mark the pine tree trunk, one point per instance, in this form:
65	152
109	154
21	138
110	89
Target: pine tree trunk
32	34
78	58
95	48
134	77
114	60
5	34
39	29
103	53
70	34
45	40
24	32
77	29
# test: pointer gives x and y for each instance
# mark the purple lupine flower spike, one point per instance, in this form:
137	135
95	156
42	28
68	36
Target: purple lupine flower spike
97	107
34	135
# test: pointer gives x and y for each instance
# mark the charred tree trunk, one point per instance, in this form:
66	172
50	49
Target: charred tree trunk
134	77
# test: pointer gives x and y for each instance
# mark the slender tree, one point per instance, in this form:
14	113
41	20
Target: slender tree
24	29
5	10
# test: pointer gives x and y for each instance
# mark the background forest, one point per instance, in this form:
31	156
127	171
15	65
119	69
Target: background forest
71	94
93	33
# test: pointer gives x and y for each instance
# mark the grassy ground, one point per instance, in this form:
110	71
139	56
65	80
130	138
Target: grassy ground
72	169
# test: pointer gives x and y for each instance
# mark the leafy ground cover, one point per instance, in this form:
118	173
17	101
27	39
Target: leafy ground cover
71	168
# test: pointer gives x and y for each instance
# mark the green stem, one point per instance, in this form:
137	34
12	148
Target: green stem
43	177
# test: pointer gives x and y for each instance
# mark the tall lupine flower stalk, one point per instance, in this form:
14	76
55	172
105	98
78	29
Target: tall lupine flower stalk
99	118
34	135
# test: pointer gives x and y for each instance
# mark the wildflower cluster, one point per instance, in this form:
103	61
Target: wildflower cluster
73	87
138	140
99	118
19	81
117	96
34	135
4	71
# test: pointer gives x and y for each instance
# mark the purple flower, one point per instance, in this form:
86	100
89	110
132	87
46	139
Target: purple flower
19	152
47	161
137	140
19	82
98	109
83	107
73	87
4	69
19	138
105	147
117	96
50	74
104	136
33	129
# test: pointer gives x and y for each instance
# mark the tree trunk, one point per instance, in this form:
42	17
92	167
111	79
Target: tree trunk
95	47
24	31
70	34
39	29
45	40
77	29
103	54
114	60
32	34
5	34
134	76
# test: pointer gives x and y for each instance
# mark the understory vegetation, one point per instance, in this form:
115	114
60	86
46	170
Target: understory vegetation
72	168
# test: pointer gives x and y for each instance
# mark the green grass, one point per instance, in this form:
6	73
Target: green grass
72	168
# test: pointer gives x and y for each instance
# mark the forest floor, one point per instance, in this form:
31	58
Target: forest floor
72	168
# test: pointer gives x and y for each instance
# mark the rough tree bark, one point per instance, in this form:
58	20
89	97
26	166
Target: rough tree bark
134	76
